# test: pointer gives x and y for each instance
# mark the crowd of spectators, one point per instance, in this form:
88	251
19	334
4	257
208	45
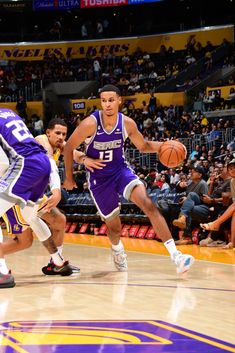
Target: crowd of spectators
140	72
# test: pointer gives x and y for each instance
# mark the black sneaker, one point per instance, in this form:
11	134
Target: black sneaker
74	269
7	281
51	269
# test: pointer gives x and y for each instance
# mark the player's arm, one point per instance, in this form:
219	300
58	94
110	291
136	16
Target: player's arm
45	144
85	129
55	187
82	158
89	163
137	138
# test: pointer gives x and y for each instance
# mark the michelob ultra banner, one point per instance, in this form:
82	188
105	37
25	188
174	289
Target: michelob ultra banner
117	47
55	4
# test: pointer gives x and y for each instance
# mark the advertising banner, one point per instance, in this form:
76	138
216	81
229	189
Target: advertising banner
55	4
136	2
102	3
115	46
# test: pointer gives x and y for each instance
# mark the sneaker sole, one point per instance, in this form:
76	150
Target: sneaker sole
122	269
7	285
186	267
68	273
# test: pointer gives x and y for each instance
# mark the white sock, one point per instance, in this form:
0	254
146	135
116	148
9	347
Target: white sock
118	247
1	235
57	259
60	249
3	267
171	248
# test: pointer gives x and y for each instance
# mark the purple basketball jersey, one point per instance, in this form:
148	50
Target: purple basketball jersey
29	167
15	137
116	177
108	146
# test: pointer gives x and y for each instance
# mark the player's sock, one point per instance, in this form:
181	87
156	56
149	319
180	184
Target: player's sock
57	259
3	267
60	249
170	246
118	247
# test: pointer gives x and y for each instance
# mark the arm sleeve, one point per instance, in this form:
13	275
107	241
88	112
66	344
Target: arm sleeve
55	182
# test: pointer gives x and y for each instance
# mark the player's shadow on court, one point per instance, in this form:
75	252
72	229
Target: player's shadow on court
102	274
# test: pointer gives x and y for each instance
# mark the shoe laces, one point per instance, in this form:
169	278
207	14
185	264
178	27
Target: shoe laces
119	256
176	256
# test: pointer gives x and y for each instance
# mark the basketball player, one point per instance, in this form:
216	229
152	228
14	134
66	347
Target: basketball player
23	183
104	133
53	142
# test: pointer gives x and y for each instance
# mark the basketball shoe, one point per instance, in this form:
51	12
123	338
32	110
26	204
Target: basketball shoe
51	269
74	269
183	262
7	281
120	260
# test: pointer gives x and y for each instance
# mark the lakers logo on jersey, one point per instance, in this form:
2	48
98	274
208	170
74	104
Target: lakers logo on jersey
16	227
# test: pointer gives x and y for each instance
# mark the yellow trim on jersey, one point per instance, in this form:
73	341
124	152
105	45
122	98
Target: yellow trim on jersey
8	224
18	216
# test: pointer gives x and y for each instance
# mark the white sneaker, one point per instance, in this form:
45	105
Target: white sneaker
183	262
120	260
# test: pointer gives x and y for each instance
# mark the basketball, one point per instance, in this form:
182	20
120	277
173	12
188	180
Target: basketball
172	153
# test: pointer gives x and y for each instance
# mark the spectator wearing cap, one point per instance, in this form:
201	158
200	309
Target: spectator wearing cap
192	203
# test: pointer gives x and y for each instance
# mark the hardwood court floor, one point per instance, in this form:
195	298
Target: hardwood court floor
147	310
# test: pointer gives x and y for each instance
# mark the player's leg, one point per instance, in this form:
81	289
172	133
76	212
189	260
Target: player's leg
140	197
56	221
43	233
19	242
6	279
114	231
109	210
16	225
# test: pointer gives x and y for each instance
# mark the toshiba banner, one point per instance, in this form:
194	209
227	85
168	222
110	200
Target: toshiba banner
101	3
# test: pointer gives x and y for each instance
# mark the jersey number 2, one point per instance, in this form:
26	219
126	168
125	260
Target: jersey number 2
20	131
